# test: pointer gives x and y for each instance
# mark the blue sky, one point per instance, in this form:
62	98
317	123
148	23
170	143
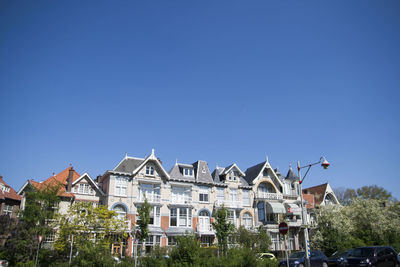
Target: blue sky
83	82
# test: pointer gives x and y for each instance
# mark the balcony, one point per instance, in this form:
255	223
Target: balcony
233	204
181	199
294	223
151	198
271	196
205	229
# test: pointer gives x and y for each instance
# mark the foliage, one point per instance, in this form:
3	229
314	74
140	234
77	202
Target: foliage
93	254
88	224
36	219
157	257
143	222
259	241
346	195
187	250
223	227
362	222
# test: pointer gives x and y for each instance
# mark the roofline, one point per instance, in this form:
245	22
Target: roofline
151	157
234	165
91	180
23	187
127	157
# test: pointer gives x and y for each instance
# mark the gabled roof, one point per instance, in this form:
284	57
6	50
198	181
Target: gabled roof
254	171
153	159
87	176
202	172
7	191
320	192
310	200
59	179
176	173
216	175
128	164
220	171
228	169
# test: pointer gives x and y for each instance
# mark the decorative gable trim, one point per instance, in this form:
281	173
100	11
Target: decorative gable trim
268	166
226	171
154	159
87	176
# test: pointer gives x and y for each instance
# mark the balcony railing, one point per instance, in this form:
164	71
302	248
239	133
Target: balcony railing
207	228
181	199
265	195
151	198
229	203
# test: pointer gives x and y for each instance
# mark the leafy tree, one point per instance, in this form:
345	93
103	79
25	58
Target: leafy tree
143	222
345	195
187	251
88	224
37	218
259	241
374	192
223	228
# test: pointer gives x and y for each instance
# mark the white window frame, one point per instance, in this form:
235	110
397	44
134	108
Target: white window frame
156	215
7	210
246	198
232	216
121	213
121	186
247	220
151	191
150	170
204	191
188	172
220	195
181	221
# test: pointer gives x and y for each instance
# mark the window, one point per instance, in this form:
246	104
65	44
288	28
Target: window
220	196
7	210
276	244
181	195
261	211
232	217
247	220
149	191
206	240
121	184
188	172
234	175
203	194
246	197
172	241
150	170
264	189
121	212
83	189
155	216
181	217
50	238
233	196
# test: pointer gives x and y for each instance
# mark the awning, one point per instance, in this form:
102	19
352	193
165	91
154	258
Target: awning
293	208
274	207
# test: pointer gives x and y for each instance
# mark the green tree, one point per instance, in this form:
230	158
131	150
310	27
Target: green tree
223	228
374	192
258	241
143	223
37	218
91	227
186	252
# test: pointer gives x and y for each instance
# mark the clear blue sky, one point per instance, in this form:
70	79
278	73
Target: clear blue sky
83	82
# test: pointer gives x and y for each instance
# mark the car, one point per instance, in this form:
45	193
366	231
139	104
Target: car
269	256
339	258
317	259
3	263
374	256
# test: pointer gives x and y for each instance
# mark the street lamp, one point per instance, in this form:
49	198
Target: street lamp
325	164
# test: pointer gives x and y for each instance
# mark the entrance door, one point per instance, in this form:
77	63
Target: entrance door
204	221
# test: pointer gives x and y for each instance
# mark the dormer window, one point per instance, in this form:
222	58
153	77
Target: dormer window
188	172
265	173
233	176
149	170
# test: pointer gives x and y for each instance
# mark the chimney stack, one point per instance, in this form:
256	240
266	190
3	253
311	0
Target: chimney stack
69	179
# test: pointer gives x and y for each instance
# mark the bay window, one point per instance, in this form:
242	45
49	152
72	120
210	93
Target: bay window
181	217
121	185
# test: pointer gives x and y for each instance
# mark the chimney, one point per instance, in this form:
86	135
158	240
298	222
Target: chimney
69	179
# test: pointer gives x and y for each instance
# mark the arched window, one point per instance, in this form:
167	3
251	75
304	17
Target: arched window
265	188
247	220
261	211
121	212
329	199
204	213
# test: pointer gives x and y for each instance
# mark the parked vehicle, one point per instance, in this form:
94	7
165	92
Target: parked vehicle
317	259
339	258
269	256
377	256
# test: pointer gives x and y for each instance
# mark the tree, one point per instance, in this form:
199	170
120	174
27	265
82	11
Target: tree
258	241
223	228
143	223
88	224
374	192
344	195
187	251
37	218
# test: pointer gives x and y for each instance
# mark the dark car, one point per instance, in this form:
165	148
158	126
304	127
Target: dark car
317	259
372	256
339	258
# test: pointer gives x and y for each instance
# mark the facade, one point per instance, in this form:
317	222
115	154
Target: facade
73	187
184	198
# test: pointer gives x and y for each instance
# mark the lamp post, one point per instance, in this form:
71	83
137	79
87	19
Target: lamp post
325	164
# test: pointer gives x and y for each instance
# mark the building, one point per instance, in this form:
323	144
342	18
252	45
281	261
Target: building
184	198
9	200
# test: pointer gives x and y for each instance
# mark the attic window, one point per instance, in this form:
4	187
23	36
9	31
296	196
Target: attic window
233	175
4	188
203	170
149	170
188	172
265	173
